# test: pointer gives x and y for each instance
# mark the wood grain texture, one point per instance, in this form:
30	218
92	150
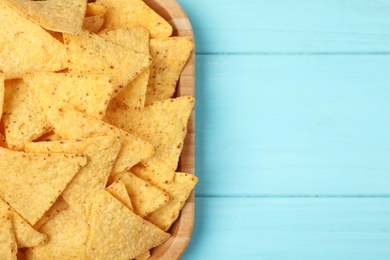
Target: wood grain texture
181	230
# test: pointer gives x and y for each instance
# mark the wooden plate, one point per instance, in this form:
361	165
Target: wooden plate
181	230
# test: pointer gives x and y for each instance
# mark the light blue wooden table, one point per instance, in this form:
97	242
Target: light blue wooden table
293	129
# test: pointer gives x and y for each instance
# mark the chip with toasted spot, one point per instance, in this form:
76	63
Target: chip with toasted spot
89	53
71	124
163	124
87	93
135	13
23	118
56	208
125	234
169	57
67	232
135	39
179	190
25	46
94	17
145	197
119	191
8	247
59	16
31	183
3	142
101	153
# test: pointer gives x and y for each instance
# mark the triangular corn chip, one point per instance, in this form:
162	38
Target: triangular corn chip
25	46
89	53
178	191
8	247
135	39
145	197
101	153
119	191
169	57
135	13
125	234
87	93
163	124
31	183
59	16
94	17
67	232
56	208
71	124
23	118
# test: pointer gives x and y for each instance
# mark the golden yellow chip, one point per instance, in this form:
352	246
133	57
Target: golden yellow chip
94	17
118	190
23	118
25	46
67	232
56	208
145	197
163	124
178	191
89	53
169	57
31	183
60	16
135	13
87	93
71	124
125	234
101	153
8	247
135	39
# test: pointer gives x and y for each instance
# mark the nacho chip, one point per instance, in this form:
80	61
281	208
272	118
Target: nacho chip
94	17
23	118
118	190
59	16
71	124
67	232
135	39
25	46
169	57
135	13
89	53
3	142
179	190
101	153
8	248
56	208
125	234
87	93
163	124
1	93
145	197
31	183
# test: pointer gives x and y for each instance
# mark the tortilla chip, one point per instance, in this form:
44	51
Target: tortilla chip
25	46
125	234
1	93
94	17
118	190
3	142
23	118
71	124
143	256
33	182
56	208
59	16
145	197
163	124
169	57
67	232
8	248
179	190
101	153
89	53
87	93
134	13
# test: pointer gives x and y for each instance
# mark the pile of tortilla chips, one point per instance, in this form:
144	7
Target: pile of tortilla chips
90	134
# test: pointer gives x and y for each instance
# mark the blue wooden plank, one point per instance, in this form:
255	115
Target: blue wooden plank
293	124
228	26
283	228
